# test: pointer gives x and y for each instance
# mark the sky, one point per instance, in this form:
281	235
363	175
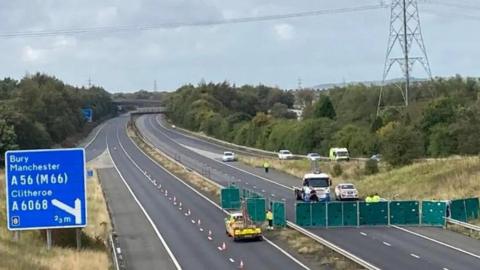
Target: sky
321	49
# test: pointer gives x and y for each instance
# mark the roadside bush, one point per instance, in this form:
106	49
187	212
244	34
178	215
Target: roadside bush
337	170
371	167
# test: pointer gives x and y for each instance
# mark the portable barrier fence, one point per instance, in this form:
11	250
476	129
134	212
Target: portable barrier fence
353	214
465	209
231	198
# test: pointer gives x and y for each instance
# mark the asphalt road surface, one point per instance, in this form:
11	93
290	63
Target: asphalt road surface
174	210
385	247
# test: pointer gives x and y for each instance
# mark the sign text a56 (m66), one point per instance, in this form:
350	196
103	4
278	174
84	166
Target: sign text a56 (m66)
45	189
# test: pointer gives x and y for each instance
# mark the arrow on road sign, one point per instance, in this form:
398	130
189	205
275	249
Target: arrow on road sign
76	212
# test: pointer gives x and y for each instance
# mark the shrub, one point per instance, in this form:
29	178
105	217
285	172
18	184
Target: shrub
371	167
337	170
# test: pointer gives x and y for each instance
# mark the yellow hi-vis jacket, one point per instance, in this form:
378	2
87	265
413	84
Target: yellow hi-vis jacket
376	198
369	199
266	165
269	215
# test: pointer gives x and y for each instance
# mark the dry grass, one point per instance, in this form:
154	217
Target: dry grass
209	189
30	251
318	256
438	179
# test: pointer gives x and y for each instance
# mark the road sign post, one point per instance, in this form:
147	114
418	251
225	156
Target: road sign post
46	189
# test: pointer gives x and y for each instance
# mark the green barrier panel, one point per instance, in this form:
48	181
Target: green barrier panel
256	209
350	213
373	213
279	214
433	213
319	214
303	215
404	213
230	198
472	207
335	214
458	210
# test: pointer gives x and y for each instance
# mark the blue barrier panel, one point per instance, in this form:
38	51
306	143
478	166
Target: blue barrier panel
472	207
279	217
458	210
256	209
404	213
335	214
350	213
433	213
373	213
303	215
319	214
230	198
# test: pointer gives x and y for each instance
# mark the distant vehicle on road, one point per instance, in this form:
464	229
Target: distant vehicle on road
228	156
376	157
238	227
313	156
315	188
338	154
346	191
285	154
173	126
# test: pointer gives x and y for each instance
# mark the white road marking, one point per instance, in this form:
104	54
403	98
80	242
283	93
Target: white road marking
362	233
231	260
387	244
174	259
444	268
219	207
438	242
415	255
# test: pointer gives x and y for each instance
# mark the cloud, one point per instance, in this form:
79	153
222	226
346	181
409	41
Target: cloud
30	54
284	31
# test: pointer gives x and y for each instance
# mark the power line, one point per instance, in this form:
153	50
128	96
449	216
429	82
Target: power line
455	5
168	25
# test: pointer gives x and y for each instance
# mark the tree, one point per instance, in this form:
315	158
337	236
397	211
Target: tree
324	108
358	140
280	110
400	144
7	138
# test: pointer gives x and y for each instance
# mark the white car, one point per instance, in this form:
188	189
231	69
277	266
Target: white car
346	191
313	156
228	156
284	154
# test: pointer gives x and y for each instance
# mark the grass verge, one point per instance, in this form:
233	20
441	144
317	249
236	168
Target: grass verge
30	251
312	253
437	179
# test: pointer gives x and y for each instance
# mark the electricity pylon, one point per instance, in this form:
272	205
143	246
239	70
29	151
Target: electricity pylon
405	46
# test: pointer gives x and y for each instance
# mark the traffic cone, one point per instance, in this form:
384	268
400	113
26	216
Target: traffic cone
210	235
166	192
241	265
188	212
180	205
224	246
198	222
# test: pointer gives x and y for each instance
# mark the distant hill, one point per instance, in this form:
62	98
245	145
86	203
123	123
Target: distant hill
327	86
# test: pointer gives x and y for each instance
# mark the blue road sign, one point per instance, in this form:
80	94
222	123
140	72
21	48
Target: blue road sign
46	189
87	114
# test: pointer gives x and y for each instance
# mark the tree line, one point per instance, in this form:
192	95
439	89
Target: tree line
443	118
40	111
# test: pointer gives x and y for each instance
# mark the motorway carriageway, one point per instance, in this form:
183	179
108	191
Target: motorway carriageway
384	247
190	227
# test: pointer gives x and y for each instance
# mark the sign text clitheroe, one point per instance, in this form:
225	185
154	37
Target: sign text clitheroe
45	189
